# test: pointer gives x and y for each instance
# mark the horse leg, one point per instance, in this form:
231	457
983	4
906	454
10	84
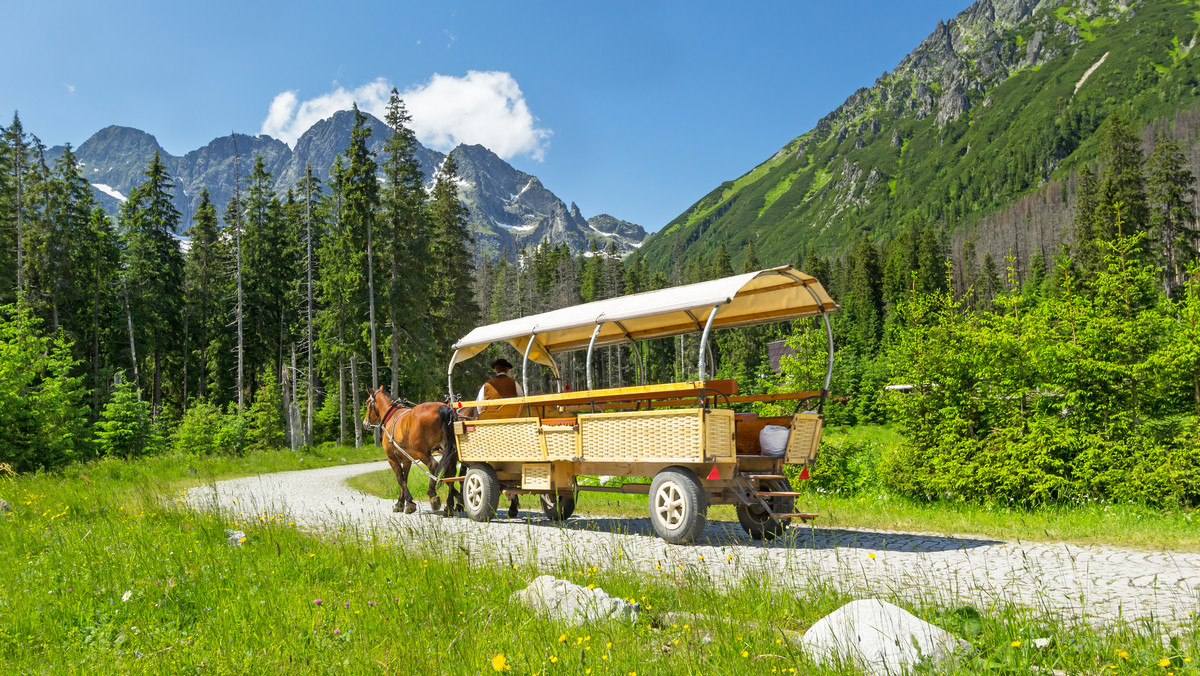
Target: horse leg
514	504
435	473
400	476
409	505
454	496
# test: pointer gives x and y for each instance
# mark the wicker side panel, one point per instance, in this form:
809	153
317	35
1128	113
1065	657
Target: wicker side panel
642	436
805	438
560	442
718	434
499	440
536	476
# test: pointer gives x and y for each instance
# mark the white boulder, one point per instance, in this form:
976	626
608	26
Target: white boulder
572	603
880	638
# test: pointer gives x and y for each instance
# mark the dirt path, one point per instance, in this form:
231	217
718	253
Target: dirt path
1097	583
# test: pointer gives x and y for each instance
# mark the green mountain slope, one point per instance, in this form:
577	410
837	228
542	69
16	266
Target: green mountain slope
993	104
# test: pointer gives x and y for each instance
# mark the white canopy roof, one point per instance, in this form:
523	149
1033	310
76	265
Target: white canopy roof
751	298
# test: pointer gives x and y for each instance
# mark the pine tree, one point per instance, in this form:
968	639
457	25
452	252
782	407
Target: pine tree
206	267
233	218
153	270
1122	185
341	291
1171	192
1084	231
750	264
125	429
97	261
864	299
404	230
721	265
454	311
310	188
268	252
17	161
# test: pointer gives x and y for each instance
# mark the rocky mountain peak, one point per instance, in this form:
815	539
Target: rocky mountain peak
508	209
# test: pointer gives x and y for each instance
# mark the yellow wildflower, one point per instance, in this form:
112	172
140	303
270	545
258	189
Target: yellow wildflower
1015	644
499	663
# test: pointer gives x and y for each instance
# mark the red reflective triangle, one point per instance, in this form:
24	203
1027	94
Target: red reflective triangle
804	473
714	475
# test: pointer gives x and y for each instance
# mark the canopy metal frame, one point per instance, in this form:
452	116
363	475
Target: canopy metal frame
738	286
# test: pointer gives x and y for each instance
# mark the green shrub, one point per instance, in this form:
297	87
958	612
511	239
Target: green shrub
266	415
233	436
326	420
845	468
125	429
41	417
199	430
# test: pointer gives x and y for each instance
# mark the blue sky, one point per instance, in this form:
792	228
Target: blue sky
636	109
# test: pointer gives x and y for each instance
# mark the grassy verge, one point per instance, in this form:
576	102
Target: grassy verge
1093	523
105	576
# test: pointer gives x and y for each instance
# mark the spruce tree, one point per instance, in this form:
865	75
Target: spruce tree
17	162
864	299
206	268
1122	185
404	234
454	311
1084	231
1171	192
153	271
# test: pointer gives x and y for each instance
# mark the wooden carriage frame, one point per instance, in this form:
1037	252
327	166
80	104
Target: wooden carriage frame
684	436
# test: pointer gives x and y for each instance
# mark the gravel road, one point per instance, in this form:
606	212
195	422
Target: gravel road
1090	582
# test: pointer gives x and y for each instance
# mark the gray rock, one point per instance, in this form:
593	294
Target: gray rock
572	603
4	508
234	538
880	637
1040	643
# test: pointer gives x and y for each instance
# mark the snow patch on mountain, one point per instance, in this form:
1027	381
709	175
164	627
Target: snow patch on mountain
110	191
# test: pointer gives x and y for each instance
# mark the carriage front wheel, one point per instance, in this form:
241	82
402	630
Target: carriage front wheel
481	492
678	505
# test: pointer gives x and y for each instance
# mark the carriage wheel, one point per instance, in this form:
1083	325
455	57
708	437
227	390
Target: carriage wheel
678	505
558	507
481	492
757	522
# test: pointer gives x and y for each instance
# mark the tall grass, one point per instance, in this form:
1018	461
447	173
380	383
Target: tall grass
112	574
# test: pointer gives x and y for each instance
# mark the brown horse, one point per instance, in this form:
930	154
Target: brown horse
412	434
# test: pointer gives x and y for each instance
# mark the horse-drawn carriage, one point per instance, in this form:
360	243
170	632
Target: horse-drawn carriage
685	435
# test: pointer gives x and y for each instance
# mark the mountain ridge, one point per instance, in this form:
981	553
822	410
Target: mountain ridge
992	105
112	161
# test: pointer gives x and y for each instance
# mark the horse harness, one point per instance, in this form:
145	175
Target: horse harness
396	406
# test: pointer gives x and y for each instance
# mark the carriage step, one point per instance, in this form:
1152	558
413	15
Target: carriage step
777	494
451	479
762	477
795	515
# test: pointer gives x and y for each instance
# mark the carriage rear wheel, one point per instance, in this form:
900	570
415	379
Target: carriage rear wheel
481	492
558	507
678	505
758	522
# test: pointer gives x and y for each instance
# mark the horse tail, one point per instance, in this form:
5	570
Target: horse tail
449	445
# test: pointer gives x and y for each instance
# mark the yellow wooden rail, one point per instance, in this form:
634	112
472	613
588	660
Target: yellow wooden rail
642	392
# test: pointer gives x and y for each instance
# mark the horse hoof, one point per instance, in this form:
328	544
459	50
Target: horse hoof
447	513
410	508
512	511
395	508
435	503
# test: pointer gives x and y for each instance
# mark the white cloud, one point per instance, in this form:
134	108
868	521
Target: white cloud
70	87
484	107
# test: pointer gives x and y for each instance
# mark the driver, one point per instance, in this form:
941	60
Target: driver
500	385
